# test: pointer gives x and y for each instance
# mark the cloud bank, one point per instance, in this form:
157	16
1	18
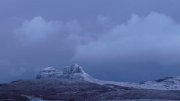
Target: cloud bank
37	29
151	38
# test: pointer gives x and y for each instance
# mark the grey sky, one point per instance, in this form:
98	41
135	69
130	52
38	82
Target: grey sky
122	40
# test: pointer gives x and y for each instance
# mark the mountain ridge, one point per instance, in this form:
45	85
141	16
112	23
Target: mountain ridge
76	72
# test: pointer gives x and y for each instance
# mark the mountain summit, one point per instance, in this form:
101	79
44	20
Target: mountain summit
73	71
74	68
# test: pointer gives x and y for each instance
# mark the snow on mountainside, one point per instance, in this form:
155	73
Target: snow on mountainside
76	72
49	72
168	83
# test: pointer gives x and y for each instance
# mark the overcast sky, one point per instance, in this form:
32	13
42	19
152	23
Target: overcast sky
120	40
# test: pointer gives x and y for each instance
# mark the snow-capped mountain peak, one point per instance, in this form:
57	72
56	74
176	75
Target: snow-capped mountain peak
73	71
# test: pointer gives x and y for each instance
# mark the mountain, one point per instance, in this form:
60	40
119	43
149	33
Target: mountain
74	84
73	71
76	72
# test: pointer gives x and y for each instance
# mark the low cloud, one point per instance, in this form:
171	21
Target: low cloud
151	38
37	29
